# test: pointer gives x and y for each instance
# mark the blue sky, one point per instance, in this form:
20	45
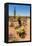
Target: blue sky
21	10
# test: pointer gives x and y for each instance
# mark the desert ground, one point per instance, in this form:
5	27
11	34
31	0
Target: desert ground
12	33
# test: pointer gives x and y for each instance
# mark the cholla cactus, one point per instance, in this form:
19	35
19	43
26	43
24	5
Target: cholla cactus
21	32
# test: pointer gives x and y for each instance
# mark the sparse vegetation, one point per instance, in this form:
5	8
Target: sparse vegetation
20	30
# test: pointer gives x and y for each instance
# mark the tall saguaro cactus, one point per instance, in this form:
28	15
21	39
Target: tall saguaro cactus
14	12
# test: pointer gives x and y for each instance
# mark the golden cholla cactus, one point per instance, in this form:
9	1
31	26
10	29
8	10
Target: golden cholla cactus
21	32
20	29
